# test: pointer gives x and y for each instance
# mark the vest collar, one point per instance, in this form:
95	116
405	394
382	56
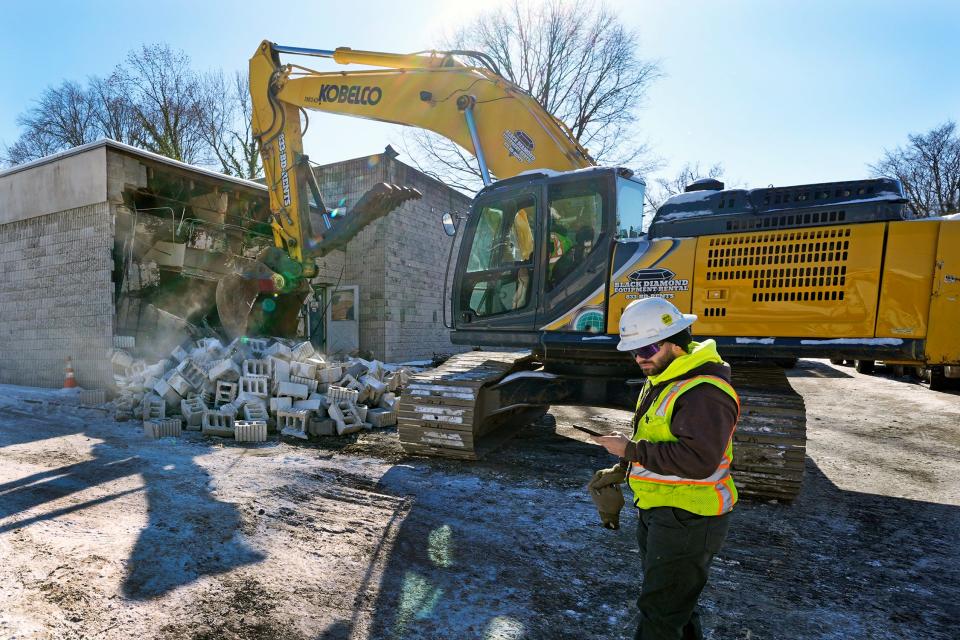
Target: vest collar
700	353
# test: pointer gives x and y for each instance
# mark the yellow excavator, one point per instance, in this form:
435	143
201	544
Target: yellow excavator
552	251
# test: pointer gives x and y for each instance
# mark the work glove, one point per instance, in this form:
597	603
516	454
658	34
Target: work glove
607	497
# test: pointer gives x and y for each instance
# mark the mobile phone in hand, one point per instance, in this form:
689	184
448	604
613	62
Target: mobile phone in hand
592	432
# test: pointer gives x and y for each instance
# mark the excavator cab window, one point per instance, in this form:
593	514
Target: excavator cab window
576	222
630	202
500	263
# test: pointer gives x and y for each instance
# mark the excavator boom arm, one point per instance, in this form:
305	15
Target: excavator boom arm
485	114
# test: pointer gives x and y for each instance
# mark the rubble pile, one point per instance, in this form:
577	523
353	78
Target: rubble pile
254	386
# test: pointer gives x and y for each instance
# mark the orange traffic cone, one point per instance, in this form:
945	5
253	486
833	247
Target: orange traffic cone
69	382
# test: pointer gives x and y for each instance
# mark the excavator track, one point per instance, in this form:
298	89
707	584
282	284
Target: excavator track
769	444
451	412
455	411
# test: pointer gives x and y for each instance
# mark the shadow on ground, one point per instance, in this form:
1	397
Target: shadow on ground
181	512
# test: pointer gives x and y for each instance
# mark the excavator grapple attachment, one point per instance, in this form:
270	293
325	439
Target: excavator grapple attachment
264	296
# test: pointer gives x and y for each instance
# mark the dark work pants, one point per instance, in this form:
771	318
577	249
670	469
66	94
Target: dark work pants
676	548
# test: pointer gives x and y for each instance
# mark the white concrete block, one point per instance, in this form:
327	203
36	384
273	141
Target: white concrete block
192	410
256	368
303	351
153	407
162	428
381	418
310	383
303	370
278	350
294	390
250	430
280	403
225	369
226	392
255	385
255	411
217	424
309	405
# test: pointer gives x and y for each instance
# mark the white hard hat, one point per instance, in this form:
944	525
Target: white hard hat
650	320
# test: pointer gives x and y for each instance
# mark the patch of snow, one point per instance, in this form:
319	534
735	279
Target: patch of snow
755	340
871	341
585	338
528	374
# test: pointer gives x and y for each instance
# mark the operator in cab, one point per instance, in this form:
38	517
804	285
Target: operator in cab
677	464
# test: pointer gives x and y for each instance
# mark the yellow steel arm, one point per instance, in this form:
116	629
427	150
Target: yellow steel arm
511	132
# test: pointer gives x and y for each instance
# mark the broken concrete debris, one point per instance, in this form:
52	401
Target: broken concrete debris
255	385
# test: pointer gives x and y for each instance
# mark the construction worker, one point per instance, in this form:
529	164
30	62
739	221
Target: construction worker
677	464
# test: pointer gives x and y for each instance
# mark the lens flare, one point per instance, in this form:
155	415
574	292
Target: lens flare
269	305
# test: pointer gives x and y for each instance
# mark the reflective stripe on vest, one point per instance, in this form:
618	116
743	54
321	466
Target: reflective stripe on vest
660	411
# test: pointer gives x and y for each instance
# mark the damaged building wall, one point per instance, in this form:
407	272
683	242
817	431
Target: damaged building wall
399	262
56	236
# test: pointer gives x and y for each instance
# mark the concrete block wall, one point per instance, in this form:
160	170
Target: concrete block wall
416	267
56	297
398	262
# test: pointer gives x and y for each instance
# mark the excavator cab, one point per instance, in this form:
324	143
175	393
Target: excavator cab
536	255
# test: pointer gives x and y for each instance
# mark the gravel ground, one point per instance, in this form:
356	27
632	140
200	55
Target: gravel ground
105	534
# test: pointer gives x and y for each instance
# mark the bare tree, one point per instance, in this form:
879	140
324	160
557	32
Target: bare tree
662	188
225	113
165	94
62	117
928	168
115	112
577	60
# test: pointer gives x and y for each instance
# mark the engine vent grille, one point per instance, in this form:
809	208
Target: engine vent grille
796	266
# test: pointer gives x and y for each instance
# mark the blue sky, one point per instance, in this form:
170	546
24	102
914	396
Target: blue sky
779	92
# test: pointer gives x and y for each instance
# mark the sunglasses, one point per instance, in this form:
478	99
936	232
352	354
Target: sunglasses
647	352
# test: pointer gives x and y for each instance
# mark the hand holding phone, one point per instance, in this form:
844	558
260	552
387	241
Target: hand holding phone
589	430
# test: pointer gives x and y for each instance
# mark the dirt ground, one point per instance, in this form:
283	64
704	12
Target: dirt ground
105	534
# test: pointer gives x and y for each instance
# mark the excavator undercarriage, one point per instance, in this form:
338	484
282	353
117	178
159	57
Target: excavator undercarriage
477	400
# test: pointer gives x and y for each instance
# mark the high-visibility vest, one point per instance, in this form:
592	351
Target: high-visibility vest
711	496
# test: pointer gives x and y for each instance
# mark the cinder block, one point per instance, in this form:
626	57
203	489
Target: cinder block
255	411
388	401
229	409
303	370
217	424
329	374
279	350
257	346
292	422
342	394
192	373
153	407
281	370
303	351
225	369
310	383
280	403
381	418
344	414
321	427
179	354
294	390
308	404
255	386
256	368
192	410
179	384
169	395
162	428
226	392
250	430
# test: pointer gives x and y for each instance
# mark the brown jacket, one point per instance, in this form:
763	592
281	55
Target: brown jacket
703	419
